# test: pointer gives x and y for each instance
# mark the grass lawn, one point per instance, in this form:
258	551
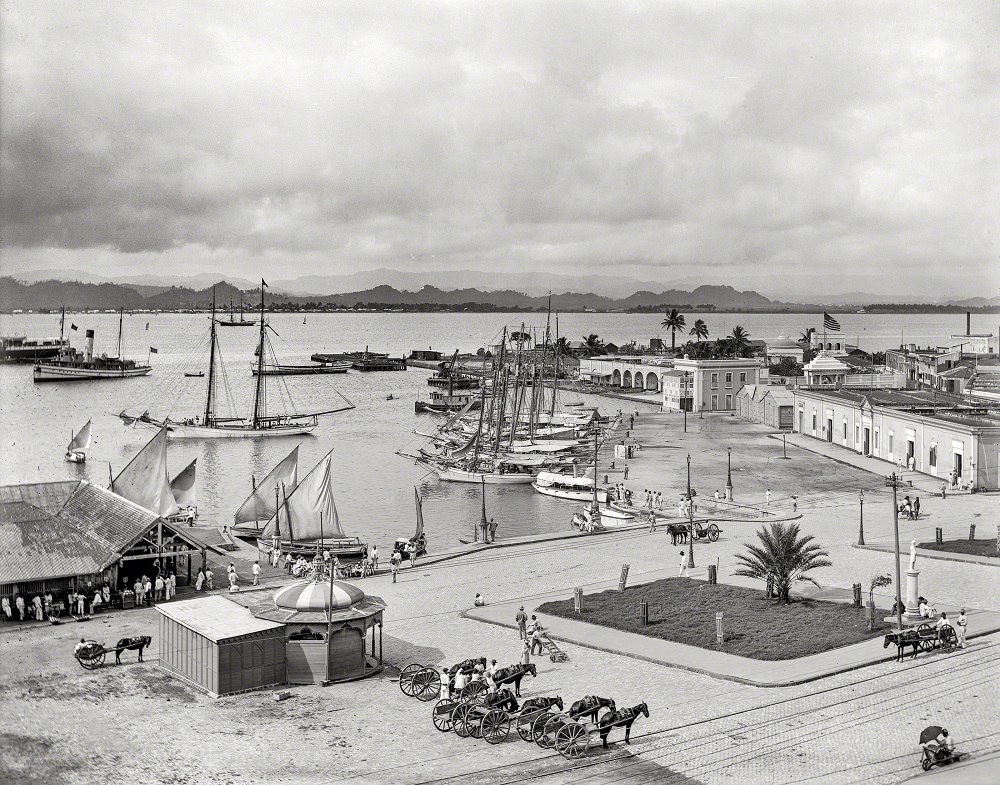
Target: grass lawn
683	610
973	547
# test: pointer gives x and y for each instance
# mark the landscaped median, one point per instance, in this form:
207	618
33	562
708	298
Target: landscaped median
683	610
969	547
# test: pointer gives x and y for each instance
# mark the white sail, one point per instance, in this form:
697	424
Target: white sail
145	482
81	441
182	486
309	511
420	516
261	504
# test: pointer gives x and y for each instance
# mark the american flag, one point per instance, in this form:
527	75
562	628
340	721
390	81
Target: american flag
831	324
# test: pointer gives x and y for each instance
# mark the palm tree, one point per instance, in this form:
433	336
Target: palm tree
593	344
563	348
739	341
781	558
805	337
700	330
675	321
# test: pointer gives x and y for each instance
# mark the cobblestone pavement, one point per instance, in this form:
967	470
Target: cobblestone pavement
132	723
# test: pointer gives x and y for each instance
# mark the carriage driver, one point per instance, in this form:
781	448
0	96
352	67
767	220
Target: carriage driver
81	645
943	622
941	742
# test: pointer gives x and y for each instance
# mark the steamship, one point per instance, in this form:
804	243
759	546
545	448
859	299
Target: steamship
72	365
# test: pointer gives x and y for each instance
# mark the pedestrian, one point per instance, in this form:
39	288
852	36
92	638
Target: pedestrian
525	652
95	604
910	463
954	477
140	591
652	521
394	565
767	497
961	626
159	588
626	470
199	582
412	550
374	558
522	622
256	573
106	591
683	573
631	422
19	604
916	507
81	604
147	590
944	489
232	582
717	496
536	630
37	602
288	562
493	530
795	503
209	578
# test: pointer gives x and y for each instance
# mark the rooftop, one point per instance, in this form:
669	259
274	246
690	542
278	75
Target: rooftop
216	617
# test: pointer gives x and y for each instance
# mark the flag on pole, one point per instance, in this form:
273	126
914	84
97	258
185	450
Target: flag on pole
153	350
829	323
73	327
263	282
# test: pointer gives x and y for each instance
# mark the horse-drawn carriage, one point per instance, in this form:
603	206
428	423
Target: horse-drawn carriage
492	716
571	736
91	654
679	531
923	638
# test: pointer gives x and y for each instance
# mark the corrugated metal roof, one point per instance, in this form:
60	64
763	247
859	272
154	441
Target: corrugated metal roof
54	530
216	618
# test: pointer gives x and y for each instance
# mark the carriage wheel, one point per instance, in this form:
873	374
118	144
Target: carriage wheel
441	715
471	692
713	532
495	726
550	725
406	678
948	638
92	659
459	718
538	727
427	684
925	628
524	727
926	765
572	740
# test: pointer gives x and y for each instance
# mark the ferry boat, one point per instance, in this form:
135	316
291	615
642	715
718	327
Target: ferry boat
562	486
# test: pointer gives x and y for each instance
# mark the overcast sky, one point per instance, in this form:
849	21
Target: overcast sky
827	146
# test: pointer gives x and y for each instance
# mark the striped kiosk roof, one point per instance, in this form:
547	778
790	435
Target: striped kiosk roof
315	596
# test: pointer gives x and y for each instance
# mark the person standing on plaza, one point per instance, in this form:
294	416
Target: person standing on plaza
374	558
522	623
626	470
140	591
411	548
961	627
683	573
159	588
767	497
394	564
916	507
525	652
148	590
209	578
199	582
19	604
256	573
493	530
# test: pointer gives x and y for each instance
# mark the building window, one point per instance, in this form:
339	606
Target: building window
743	378
715	402
814	423
715	380
729	402
876	440
890	444
729	380
932	457
845	431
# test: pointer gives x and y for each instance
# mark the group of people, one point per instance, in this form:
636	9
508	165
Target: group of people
911	509
622	495
532	634
959	626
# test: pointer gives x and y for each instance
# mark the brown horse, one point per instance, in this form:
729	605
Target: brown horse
624	717
902	640
139	642
501	699
533	704
589	706
513	674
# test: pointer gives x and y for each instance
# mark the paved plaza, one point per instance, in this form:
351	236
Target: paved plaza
132	723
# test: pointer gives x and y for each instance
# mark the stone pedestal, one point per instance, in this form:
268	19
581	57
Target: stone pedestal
729	493
912	603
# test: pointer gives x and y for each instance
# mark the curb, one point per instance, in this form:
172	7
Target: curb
925	554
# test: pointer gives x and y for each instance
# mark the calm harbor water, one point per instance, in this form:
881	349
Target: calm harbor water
374	487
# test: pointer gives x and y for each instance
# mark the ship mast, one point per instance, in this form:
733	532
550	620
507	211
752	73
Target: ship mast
260	363
210	397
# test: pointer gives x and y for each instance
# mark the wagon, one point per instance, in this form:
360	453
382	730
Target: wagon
710	532
423	682
443	712
91	655
933	754
571	737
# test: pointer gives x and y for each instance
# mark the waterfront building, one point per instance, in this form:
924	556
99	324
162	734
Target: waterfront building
638	374
712	385
942	433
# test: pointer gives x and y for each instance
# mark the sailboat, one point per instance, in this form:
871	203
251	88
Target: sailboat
589	519
182	488
419	539
71	365
232	322
259	423
263	501
144	480
76	451
306	520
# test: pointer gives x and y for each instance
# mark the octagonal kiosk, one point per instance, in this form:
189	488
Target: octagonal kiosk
326	627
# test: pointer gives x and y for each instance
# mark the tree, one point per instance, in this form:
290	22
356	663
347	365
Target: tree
786	366
806	336
675	321
739	341
562	346
783	557
877	582
700	330
593	344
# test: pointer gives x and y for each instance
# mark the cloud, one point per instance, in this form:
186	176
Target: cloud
744	142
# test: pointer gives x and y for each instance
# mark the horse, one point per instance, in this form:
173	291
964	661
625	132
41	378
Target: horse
468	665
502	699
513	674
624	717
902	640
678	531
139	642
590	705
533	704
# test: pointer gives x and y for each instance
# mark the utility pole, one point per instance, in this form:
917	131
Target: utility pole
690	518
892	481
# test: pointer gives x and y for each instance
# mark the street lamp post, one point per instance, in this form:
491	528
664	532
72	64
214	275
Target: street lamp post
690	518
729	476
861	529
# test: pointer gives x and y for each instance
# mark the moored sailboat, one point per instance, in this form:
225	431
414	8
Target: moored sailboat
258	508
76	451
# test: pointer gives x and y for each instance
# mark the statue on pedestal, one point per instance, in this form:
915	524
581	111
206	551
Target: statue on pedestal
913	554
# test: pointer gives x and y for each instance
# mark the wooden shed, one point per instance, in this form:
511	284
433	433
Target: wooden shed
218	646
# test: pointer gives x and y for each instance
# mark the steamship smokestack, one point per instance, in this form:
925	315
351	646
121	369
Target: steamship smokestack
968	322
88	346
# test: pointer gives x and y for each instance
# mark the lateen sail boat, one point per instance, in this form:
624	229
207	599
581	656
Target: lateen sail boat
419	539
259	423
76	451
182	487
262	503
144	480
307	519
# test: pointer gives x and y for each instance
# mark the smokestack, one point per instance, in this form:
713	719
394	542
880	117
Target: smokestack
968	322
88	345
